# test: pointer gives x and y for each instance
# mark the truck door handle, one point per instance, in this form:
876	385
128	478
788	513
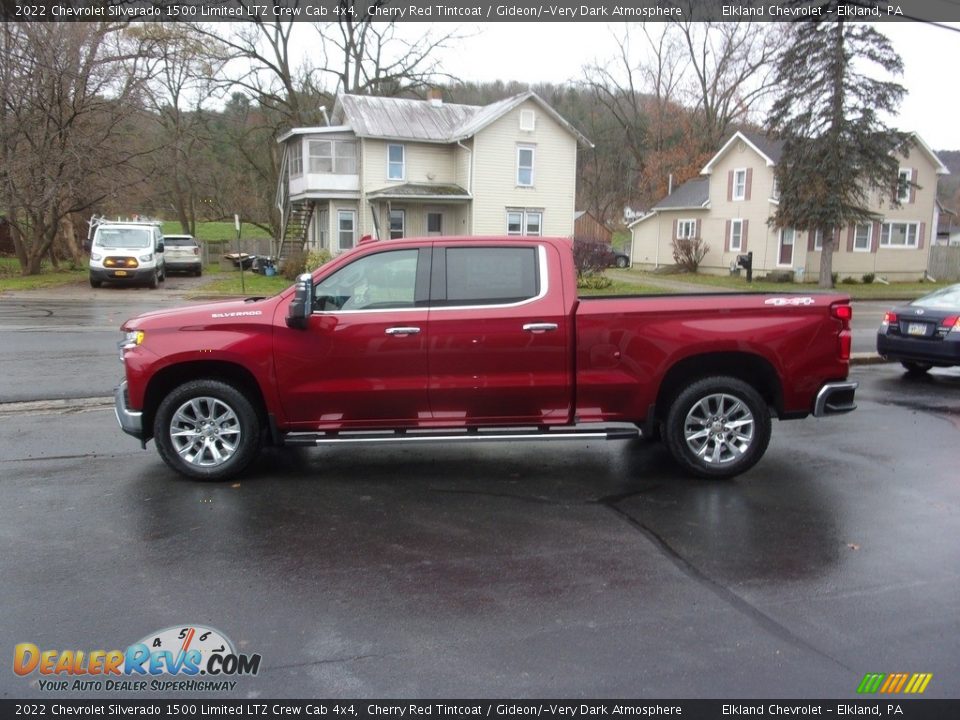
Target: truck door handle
402	330
539	327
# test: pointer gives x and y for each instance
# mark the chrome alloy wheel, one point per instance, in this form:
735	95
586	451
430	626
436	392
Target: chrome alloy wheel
205	431
719	429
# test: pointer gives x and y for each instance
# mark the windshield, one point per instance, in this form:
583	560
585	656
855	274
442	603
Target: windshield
948	297
124	238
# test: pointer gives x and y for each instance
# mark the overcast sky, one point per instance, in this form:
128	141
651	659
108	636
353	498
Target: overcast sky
556	52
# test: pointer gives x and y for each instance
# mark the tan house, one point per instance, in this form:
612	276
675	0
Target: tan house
730	205
392	167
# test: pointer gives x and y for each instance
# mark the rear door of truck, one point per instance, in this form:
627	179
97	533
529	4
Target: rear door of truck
499	340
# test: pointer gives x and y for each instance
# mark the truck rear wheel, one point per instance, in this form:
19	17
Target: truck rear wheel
207	430
718	427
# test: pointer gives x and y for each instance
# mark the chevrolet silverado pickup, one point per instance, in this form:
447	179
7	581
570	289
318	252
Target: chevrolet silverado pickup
478	339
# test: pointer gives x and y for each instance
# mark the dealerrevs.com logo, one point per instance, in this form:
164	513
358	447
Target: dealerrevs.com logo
186	658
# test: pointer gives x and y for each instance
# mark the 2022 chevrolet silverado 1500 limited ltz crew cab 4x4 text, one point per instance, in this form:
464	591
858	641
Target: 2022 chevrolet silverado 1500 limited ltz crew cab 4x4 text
474	339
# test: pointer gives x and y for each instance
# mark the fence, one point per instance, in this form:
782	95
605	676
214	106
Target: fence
212	251
944	263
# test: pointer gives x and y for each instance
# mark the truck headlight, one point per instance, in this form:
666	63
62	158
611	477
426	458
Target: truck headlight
132	339
146	258
96	256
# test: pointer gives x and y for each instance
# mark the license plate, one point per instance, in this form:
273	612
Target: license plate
120	273
917	329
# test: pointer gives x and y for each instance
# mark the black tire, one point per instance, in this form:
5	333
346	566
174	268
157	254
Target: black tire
199	272
195	455
915	368
621	262
154	282
95	283
717	407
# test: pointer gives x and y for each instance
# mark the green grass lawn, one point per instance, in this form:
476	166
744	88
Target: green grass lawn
620	288
857	291
217	231
228	283
11	279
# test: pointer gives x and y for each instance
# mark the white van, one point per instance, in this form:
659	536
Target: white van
127	252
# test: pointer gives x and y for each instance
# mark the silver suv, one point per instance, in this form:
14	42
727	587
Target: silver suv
181	252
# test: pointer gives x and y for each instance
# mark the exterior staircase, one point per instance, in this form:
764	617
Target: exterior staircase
294	217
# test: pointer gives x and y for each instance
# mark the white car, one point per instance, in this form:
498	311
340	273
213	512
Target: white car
182	252
128	253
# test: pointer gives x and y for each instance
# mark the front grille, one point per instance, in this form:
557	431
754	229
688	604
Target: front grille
121	262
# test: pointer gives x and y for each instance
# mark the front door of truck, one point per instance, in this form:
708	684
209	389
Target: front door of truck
499	337
362	360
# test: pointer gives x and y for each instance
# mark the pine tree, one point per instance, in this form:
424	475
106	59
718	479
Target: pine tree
838	153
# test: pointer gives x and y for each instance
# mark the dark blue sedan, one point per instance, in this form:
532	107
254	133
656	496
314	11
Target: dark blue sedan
925	333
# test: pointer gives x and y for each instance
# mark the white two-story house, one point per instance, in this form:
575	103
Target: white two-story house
392	167
730	205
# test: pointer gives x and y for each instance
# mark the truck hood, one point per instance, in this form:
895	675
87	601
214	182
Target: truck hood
205	314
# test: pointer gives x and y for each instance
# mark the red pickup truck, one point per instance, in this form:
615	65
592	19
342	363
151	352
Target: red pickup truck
478	339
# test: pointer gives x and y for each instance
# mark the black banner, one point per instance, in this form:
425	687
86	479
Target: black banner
884	707
478	10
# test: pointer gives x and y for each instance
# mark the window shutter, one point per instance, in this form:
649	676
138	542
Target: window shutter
726	237
696	229
743	235
730	186
851	232
920	238
748	184
875	240
913	190
811	240
674	236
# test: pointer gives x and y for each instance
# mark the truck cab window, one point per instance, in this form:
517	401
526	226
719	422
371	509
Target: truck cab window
491	275
374	282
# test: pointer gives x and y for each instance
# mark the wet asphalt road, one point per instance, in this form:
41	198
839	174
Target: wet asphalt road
518	570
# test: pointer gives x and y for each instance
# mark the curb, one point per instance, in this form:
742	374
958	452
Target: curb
867	358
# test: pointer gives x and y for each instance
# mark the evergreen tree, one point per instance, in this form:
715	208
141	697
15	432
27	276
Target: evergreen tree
838	153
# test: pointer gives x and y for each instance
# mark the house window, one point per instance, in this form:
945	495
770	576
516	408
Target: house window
818	240
775	193
398	221
899	234
434	223
296	158
525	222
788	237
736	235
903	185
346	228
862	237
527	120
686	229
525	165
333	156
739	184
534	223
396	162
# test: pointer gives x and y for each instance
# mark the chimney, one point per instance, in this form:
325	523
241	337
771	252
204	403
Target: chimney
435	97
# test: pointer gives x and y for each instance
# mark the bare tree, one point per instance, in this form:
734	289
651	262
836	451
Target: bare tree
180	88
69	94
731	69
371	58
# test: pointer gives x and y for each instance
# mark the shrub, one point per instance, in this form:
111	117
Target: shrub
849	281
316	258
869	278
594	282
590	256
295	264
689	253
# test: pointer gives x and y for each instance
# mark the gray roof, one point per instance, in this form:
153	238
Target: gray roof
403	119
420	191
773	149
692	194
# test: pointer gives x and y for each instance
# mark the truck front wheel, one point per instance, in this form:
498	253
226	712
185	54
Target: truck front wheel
718	427
207	430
